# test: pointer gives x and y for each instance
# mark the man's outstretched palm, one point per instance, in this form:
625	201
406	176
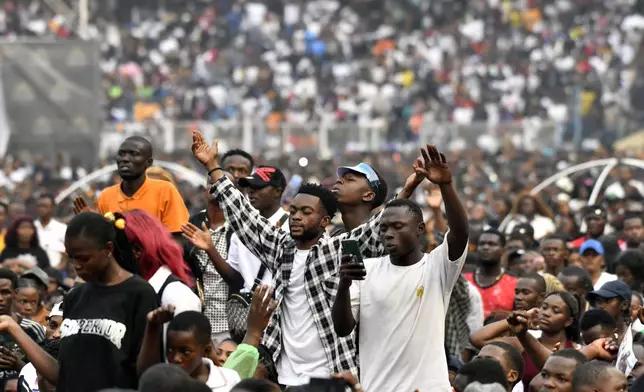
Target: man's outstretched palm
202	151
434	166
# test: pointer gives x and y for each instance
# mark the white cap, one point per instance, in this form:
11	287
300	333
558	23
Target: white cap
56	310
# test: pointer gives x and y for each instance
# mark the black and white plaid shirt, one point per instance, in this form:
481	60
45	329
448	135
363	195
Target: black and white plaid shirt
276	249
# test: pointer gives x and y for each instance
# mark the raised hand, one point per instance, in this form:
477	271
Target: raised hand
433	198
162	315
605	349
351	270
205	154
520	320
198	237
412	182
80	205
434	166
262	307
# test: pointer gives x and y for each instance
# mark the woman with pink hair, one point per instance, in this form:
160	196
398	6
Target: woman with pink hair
156	257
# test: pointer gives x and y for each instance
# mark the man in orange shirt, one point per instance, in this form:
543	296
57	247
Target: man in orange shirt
137	191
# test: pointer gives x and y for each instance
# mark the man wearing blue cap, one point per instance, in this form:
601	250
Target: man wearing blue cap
615	298
358	190
592	256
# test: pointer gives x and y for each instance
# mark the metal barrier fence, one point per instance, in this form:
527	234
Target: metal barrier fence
329	137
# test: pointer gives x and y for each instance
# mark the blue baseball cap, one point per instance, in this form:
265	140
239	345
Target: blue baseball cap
610	290
592	245
361	168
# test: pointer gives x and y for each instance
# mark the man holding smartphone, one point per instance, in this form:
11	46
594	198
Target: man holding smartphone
304	264
399	301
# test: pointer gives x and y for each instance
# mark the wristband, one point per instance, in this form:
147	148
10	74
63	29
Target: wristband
212	170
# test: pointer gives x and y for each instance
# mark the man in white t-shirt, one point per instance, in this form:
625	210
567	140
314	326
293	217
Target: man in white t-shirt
592	257
304	264
51	232
265	187
399	301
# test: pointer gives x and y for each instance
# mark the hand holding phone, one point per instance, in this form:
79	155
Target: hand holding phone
351	266
351	248
328	385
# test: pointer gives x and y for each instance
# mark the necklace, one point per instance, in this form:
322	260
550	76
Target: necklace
477	278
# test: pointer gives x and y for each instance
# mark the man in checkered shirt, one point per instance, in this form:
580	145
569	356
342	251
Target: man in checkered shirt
305	269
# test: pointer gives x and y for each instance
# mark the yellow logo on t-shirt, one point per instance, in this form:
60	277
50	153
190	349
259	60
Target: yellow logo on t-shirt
420	291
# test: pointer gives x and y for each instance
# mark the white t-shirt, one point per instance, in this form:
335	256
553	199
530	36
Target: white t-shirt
302	355
542	225
176	294
245	262
221	379
475	318
605	277
52	240
401	313
29	375
518	387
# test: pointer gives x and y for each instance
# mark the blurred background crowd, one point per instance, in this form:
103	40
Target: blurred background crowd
516	90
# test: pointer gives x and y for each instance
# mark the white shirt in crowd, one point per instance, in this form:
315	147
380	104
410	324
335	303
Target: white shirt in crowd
401	328
605	277
476	317
52	240
542	225
302	355
176	294
29	376
246	263
220	379
616	189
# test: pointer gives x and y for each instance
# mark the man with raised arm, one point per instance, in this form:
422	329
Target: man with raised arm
398	302
305	266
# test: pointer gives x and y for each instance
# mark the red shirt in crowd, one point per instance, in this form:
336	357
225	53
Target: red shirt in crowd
499	296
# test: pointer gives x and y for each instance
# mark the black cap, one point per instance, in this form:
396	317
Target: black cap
610	290
523	229
264	176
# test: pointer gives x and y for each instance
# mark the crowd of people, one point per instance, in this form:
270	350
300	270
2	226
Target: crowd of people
355	272
349	284
391	63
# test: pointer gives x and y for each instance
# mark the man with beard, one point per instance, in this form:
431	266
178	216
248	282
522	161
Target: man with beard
490	277
305	268
157	197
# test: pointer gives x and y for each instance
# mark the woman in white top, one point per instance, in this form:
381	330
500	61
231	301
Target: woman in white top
157	258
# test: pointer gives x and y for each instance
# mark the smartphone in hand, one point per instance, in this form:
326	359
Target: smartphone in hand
351	247
327	385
